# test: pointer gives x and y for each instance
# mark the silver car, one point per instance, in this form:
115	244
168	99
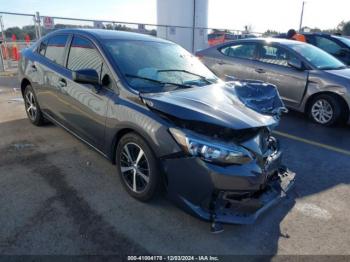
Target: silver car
308	79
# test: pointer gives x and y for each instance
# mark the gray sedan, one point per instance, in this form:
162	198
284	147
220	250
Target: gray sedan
308	79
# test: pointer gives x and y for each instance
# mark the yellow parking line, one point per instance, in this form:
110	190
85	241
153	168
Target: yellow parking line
314	143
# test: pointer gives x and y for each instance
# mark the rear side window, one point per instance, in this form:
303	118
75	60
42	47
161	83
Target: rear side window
84	55
55	48
246	50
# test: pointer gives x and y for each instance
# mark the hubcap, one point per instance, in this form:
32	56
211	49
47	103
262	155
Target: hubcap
31	105
322	111
134	167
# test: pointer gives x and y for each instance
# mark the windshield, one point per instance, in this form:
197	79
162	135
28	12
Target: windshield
317	57
157	67
344	40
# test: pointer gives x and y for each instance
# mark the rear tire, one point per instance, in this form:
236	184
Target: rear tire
137	167
326	110
32	107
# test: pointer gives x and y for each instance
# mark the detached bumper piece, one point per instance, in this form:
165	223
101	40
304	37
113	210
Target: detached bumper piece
244	208
234	207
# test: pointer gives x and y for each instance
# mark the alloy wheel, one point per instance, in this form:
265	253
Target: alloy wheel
31	106
134	167
322	111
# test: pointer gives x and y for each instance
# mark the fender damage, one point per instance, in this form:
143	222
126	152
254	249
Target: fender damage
235	113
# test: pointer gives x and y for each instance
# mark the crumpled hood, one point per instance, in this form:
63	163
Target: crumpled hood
213	104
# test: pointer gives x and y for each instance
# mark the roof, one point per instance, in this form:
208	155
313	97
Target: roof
112	34
270	40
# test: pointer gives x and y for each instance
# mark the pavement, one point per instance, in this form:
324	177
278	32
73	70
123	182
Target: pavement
58	196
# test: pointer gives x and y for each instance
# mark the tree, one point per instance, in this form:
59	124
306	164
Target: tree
18	32
270	33
346	28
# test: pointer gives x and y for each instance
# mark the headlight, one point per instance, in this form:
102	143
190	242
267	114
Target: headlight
211	152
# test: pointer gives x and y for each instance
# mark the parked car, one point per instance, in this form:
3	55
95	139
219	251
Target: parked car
308	79
163	118
336	45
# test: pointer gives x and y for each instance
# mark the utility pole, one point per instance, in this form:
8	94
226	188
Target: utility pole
301	16
4	41
194	26
38	23
2	67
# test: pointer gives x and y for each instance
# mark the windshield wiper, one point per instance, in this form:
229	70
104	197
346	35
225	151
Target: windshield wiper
157	81
188	72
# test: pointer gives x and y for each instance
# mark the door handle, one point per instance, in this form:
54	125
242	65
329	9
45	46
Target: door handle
260	70
221	62
62	82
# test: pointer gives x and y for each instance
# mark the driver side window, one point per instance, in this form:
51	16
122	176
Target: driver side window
83	55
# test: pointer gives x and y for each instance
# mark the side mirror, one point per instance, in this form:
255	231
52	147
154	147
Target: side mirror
86	76
297	64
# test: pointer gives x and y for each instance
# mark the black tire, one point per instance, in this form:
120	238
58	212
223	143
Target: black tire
143	192
332	113
31	100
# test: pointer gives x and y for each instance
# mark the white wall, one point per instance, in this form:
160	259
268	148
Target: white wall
180	13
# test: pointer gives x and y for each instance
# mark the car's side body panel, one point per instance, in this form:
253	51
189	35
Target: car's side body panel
295	87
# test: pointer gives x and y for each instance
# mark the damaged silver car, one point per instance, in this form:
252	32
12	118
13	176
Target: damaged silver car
163	119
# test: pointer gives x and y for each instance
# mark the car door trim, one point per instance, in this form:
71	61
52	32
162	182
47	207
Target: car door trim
56	122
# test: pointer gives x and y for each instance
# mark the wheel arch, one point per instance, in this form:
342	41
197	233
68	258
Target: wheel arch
123	131
24	83
333	94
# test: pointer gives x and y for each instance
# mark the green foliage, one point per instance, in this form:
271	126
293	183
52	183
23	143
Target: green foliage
346	28
270	33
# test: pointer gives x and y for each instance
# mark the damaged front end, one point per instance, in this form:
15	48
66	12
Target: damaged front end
230	167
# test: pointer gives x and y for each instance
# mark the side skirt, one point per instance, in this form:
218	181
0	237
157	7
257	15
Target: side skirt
50	118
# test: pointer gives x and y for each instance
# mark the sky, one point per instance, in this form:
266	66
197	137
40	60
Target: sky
279	15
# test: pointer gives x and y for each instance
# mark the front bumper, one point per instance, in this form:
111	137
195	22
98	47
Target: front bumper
233	194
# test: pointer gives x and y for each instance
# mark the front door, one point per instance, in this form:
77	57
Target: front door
272	67
85	105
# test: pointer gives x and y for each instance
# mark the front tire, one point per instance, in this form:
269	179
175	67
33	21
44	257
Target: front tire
137	167
325	110
32	107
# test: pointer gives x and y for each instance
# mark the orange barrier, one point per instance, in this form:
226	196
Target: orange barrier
15	54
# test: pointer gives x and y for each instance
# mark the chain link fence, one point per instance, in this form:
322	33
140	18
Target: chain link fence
15	38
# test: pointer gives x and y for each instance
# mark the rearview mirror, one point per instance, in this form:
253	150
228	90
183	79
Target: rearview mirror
86	76
296	63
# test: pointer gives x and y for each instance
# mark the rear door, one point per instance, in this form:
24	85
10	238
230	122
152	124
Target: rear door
235	60
272	67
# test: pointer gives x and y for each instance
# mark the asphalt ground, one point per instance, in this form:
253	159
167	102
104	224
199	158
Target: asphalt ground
58	196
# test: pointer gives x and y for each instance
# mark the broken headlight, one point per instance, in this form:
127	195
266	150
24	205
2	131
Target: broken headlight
211	151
